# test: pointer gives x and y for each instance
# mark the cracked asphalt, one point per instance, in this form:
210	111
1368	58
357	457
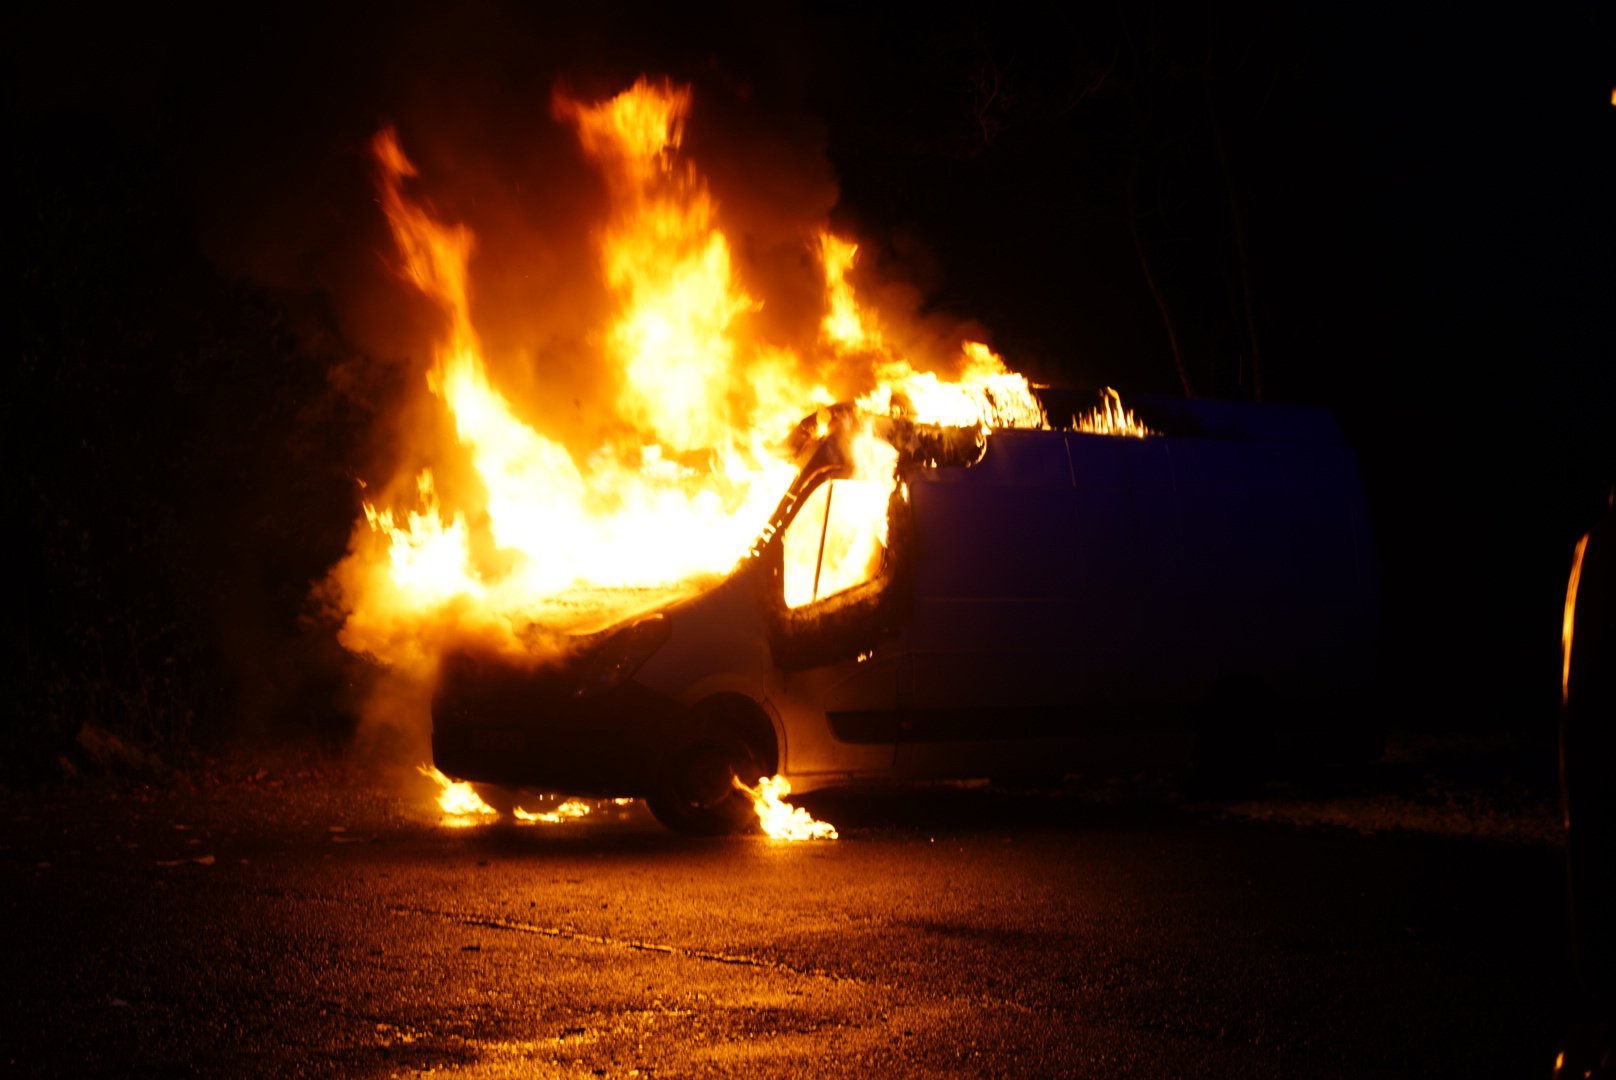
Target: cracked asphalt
313	922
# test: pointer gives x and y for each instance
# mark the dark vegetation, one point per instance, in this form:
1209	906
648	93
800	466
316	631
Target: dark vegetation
1406	218
182	457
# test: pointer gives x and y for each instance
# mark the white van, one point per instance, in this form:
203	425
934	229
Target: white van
1039	598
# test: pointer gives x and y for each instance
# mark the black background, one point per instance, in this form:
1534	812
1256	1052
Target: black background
1414	211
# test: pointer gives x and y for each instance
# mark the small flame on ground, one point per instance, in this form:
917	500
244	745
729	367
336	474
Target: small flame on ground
570	810
461	805
781	820
1568	619
1110	418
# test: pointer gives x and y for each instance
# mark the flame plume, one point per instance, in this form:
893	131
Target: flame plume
545	540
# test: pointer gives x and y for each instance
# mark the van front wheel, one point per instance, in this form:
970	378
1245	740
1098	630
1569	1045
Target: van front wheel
695	792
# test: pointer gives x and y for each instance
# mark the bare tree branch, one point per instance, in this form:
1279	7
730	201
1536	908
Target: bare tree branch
1129	194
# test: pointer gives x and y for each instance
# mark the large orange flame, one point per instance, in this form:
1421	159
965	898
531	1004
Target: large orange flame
545	540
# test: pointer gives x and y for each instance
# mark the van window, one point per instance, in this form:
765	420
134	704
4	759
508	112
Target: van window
836	541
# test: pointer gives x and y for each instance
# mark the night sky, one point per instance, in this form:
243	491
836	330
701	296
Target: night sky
1405	217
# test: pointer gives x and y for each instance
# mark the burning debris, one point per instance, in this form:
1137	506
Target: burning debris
570	810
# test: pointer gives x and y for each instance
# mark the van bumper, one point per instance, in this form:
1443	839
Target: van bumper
496	724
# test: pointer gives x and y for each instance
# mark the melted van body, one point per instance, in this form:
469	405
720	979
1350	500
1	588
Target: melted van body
1040	596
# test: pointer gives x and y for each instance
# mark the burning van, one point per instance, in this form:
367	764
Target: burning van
932	601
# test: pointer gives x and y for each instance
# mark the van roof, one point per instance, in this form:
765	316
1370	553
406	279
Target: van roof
1205	418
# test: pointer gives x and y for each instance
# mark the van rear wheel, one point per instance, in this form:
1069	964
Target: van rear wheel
694	793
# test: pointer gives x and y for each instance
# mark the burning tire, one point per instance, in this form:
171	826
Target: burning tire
725	737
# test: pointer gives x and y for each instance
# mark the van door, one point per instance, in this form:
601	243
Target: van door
994	598
835	598
1038	613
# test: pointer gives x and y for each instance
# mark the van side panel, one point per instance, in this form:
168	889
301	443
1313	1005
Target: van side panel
1124	631
991	591
1272	581
1119	591
1039	597
841	720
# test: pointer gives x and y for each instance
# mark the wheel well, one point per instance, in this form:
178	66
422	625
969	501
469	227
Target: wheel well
740	716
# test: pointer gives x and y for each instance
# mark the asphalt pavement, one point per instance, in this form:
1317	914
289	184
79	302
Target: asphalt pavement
317	919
